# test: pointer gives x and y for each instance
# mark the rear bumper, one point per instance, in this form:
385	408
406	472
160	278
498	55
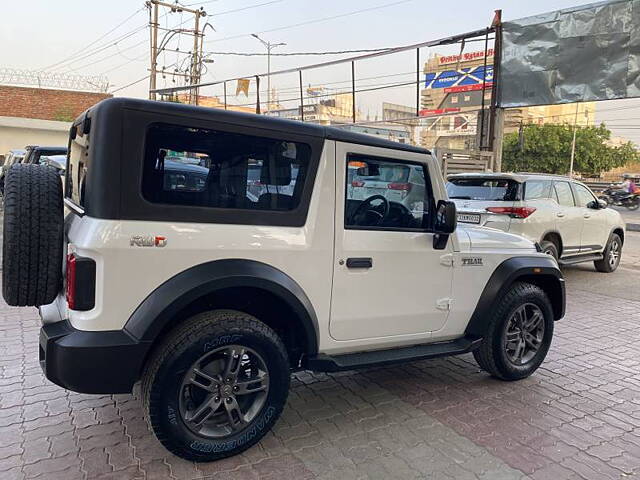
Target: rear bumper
90	362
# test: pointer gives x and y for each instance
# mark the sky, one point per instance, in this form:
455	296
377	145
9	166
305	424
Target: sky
68	30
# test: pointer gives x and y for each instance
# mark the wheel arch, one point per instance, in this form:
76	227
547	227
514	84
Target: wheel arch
246	285
540	271
620	232
555	237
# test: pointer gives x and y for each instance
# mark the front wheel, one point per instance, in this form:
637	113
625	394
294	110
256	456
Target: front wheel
216	386
518	335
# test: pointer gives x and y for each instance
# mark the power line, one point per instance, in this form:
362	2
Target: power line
248	7
130	84
84	48
317	20
298	54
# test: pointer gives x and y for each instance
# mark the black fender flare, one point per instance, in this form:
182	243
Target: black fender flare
541	270
167	300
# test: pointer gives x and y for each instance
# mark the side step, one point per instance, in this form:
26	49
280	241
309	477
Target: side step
351	361
580	258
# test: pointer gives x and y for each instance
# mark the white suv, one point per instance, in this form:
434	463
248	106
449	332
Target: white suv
562	215
210	292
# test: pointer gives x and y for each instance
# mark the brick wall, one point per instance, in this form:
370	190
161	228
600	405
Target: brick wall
45	104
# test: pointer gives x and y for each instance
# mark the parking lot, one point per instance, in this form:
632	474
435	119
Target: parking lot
577	417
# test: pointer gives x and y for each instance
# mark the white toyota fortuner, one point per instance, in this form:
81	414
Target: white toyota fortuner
559	213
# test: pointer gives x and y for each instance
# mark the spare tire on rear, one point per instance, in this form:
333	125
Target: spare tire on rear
33	235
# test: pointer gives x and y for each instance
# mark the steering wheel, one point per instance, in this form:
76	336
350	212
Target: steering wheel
366	210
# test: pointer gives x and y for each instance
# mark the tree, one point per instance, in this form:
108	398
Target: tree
547	149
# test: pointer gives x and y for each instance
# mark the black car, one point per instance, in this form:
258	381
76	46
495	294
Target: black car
35	152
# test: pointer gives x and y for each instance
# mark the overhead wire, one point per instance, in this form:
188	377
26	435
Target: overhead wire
310	22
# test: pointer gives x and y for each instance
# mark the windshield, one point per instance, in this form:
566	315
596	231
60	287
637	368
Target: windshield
492	189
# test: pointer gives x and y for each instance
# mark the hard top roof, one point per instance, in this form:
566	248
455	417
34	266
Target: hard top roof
517	176
252	120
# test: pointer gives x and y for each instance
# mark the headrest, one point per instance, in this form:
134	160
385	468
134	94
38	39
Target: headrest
276	171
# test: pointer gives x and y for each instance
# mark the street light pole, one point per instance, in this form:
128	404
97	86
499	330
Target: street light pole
573	143
268	46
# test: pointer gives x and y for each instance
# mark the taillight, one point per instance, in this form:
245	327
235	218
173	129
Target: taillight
81	282
405	187
357	183
71	281
514	212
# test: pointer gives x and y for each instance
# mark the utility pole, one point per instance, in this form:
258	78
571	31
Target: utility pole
269	46
573	142
195	69
153	31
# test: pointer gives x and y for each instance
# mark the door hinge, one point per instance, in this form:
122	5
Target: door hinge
444	304
446	260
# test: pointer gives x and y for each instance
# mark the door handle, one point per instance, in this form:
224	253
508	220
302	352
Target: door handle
586	215
360	262
560	214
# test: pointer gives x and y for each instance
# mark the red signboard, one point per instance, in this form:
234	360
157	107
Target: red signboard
438	111
467	88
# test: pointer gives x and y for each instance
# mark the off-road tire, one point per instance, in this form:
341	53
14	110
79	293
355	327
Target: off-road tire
33	235
491	356
164	371
550	248
603	265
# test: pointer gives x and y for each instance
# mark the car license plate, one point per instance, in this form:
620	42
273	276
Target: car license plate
469	217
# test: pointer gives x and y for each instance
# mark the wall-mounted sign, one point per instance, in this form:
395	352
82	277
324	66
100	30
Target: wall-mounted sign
465	57
460	78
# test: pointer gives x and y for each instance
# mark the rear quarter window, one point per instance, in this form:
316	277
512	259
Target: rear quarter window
537	189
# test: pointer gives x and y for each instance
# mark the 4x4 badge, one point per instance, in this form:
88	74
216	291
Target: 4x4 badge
147	241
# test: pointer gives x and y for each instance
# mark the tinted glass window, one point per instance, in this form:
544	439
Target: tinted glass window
207	168
583	196
535	189
386	194
563	194
494	189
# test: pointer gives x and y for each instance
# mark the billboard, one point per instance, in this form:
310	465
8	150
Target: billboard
462	80
584	53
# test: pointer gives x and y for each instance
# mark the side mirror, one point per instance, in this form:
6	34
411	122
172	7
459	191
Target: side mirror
597	204
446	217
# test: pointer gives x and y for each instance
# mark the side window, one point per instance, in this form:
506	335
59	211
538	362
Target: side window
583	196
386	194
563	194
536	189
207	168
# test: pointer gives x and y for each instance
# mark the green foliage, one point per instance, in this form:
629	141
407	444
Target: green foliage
547	149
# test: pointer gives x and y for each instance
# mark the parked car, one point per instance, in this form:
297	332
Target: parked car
211	299
58	162
402	184
12	157
561	214
35	152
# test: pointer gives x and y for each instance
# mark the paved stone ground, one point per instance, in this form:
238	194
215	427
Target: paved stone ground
578	417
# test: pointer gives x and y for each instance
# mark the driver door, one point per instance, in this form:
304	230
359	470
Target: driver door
388	281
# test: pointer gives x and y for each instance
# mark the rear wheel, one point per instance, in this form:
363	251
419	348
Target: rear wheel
216	386
633	203
611	256
550	248
518	335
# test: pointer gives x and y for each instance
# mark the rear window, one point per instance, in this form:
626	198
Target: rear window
208	168
490	189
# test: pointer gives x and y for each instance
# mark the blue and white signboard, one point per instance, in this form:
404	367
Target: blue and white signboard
465	77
